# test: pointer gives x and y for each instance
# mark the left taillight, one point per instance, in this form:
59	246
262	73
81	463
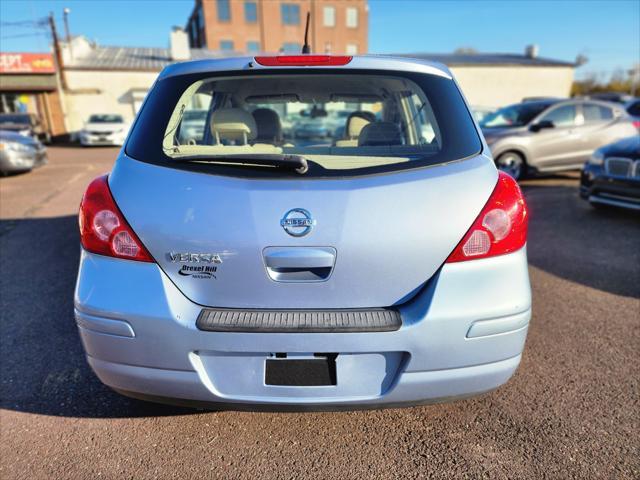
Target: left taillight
103	229
501	226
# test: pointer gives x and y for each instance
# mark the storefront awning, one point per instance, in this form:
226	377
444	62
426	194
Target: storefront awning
27	83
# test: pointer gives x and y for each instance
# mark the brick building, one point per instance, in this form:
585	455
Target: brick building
253	26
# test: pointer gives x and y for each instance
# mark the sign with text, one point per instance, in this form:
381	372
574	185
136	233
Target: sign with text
26	63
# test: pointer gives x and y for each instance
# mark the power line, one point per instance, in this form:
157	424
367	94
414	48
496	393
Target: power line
21	35
26	24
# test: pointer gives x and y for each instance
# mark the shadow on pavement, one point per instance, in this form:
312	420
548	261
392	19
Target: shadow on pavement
43	368
572	240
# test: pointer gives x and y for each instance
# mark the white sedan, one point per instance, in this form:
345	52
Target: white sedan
104	129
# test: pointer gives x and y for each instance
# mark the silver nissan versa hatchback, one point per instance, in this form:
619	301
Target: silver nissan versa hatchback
380	262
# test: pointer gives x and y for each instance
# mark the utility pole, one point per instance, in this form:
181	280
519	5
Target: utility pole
57	52
66	13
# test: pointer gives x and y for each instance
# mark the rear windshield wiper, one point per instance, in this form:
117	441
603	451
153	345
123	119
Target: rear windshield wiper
292	162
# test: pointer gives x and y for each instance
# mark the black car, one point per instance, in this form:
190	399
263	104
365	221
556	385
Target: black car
612	175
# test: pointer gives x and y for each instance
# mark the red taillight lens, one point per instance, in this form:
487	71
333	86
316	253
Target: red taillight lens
303	60
500	228
103	229
636	123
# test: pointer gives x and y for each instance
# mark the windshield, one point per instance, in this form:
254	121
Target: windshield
338	122
20	119
514	115
106	119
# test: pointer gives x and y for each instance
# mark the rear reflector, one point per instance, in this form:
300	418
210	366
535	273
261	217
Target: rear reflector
303	60
103	229
501	226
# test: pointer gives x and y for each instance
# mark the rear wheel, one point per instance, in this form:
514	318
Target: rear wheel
512	163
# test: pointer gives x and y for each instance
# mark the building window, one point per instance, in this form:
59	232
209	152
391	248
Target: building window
291	47
352	49
250	12
327	47
224	11
329	17
352	17
290	14
226	45
253	47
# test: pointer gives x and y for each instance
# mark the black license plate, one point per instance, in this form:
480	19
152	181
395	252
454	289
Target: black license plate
314	372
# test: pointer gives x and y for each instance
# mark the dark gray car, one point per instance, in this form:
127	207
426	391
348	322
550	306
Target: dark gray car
27	124
553	135
19	153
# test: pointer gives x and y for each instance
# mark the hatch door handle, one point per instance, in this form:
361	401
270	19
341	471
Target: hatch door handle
299	264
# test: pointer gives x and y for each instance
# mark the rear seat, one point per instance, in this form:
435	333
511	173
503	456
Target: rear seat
233	125
354	125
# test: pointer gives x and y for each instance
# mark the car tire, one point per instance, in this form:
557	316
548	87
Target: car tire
512	163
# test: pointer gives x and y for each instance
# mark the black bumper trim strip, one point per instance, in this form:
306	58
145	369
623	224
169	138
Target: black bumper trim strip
299	321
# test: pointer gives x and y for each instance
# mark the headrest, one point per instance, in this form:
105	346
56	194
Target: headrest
268	123
357	121
233	124
380	133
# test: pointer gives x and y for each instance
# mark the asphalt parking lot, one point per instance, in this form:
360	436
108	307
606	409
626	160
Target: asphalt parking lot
571	411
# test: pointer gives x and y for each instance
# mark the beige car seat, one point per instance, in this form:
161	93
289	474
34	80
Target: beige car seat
233	125
354	125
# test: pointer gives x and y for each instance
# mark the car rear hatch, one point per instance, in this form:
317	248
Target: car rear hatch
353	238
382	236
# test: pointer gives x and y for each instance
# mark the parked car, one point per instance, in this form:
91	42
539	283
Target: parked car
633	109
104	129
312	129
192	126
551	135
612	175
388	272
20	153
479	112
611	97
540	99
26	124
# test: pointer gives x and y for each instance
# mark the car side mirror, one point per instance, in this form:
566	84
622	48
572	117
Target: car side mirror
536	127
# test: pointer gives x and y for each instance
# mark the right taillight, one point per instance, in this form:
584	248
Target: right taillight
501	226
103	228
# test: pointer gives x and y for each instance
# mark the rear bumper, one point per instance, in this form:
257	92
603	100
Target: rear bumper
412	388
116	140
462	335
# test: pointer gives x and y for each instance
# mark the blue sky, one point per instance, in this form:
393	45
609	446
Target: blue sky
607	32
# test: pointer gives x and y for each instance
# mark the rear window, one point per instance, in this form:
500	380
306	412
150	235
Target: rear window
594	113
342	123
634	109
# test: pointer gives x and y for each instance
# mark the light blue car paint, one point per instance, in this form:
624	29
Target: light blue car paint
386	238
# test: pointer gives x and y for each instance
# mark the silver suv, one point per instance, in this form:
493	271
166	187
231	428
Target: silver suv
553	135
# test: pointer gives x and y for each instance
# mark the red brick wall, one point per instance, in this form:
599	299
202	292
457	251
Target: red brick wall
271	33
